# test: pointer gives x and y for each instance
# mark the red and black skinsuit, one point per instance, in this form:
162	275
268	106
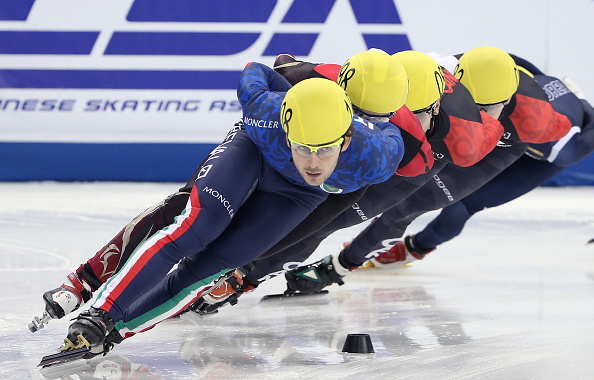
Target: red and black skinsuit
528	118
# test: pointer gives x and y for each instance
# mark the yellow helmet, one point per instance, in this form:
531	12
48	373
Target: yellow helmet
425	77
316	111
374	81
490	74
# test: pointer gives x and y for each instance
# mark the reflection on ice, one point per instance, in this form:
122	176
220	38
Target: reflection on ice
294	333
510	298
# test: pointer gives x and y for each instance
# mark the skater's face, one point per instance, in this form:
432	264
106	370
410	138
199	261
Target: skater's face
425	115
316	163
493	110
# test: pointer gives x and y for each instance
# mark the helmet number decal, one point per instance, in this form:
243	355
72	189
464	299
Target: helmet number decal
349	108
440	81
458	72
286	115
345	74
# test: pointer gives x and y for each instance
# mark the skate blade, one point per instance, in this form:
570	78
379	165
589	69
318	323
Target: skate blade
195	317
396	267
68	352
367	265
392	266
291	295
63	357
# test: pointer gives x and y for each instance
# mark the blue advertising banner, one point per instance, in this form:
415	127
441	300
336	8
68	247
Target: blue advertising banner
142	90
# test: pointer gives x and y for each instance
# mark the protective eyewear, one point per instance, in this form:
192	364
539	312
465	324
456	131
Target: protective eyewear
491	108
425	112
323	151
373	117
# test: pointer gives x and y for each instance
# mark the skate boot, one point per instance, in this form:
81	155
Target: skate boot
293	69
312	278
64	300
285	60
68	297
94	329
402	254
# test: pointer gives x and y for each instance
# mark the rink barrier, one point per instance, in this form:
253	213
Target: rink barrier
580	174
150	162
135	162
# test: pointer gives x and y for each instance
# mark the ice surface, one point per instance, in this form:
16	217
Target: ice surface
511	298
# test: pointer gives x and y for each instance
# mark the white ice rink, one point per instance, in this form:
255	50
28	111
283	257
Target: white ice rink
511	298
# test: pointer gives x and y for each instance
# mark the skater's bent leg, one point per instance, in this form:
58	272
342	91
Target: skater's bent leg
446	226
323	215
214	200
519	178
380	235
290	258
246	237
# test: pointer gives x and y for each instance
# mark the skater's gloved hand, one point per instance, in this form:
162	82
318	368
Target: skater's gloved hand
226	293
226	289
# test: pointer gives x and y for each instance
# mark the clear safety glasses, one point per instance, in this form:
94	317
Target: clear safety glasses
425	112
373	117
492	108
323	151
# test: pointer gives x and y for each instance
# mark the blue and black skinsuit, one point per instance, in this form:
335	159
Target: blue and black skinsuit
246	196
534	120
417	159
